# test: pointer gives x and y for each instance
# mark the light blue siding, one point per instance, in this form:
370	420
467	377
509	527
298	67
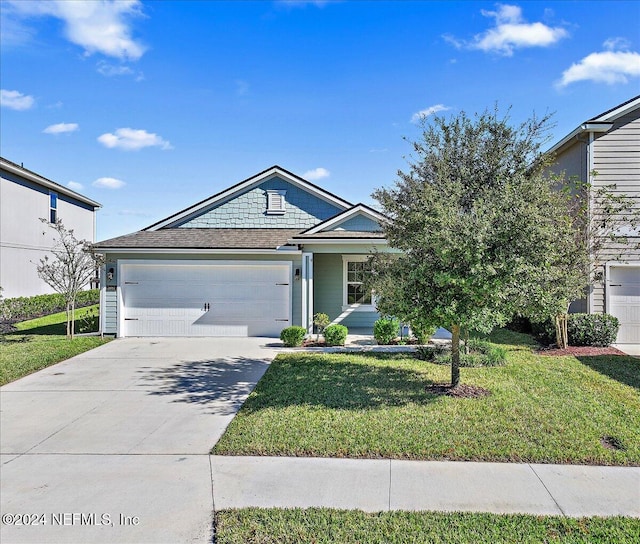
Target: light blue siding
359	223
110	312
249	209
328	292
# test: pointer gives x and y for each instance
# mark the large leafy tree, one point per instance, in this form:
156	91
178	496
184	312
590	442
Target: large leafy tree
479	223
72	266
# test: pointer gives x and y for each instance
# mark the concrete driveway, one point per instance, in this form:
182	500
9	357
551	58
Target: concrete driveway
112	445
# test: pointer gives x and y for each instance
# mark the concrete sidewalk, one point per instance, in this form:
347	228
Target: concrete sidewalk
380	485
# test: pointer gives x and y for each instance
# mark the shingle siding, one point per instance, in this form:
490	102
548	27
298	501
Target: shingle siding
249	210
359	223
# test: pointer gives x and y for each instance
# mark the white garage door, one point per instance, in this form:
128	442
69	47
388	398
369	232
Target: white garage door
624	302
231	299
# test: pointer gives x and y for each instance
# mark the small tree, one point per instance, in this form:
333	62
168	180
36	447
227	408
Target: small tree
71	268
321	321
470	217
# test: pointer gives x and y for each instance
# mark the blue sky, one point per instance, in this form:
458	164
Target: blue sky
148	107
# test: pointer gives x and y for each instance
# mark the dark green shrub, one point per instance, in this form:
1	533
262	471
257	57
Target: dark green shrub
545	332
23	308
335	335
385	330
431	353
293	336
583	330
520	324
592	329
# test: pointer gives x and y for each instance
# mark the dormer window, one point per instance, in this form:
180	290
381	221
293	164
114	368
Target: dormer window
276	202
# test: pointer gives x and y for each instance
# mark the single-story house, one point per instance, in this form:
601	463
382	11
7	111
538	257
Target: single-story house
605	151
25	198
264	254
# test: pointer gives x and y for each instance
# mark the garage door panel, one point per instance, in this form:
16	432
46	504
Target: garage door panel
169	300
624	302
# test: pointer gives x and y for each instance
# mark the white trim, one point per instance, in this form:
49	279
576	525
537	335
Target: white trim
177	251
339	241
619	111
246	185
590	163
359	209
44	182
307	291
103	294
357	307
585	127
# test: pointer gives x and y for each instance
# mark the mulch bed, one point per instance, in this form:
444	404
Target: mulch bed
462	391
579	351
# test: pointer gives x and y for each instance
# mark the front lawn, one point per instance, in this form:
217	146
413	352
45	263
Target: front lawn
321	525
40	343
541	409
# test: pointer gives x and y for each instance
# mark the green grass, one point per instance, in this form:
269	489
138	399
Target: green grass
319	525
541	409
40	343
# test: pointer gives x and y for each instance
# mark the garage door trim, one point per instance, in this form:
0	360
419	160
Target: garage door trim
194	262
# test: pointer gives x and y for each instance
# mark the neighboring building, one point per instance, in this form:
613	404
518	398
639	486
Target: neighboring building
605	150
25	197
265	254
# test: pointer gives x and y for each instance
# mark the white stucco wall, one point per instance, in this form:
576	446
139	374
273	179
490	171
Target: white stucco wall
24	239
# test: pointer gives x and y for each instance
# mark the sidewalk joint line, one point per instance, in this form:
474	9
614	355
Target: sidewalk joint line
547	490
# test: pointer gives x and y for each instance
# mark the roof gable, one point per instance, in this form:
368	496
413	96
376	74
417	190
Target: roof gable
359	218
245	204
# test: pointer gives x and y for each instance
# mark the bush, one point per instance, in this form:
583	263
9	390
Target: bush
583	330
293	336
592	329
422	332
385	330
23	308
335	335
482	354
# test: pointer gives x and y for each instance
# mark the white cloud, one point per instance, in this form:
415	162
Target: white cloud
605	67
108	183
316	173
15	100
418	116
61	128
75	186
98	27
116	70
617	44
510	32
131	139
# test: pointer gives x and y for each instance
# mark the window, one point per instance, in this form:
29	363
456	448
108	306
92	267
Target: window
53	207
355	267
276	202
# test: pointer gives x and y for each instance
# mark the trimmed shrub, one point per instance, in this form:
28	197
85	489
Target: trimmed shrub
431	353
293	336
385	330
592	329
583	330
335	335
23	308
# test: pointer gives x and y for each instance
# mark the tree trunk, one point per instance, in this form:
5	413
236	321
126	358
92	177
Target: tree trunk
455	355
73	318
466	340
68	320
562	334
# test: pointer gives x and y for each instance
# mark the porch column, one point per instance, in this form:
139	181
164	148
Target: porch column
307	292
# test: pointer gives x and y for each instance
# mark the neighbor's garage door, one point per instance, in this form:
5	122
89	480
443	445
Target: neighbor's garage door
624	302
236	299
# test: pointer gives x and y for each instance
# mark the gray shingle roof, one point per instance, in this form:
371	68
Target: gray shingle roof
188	238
